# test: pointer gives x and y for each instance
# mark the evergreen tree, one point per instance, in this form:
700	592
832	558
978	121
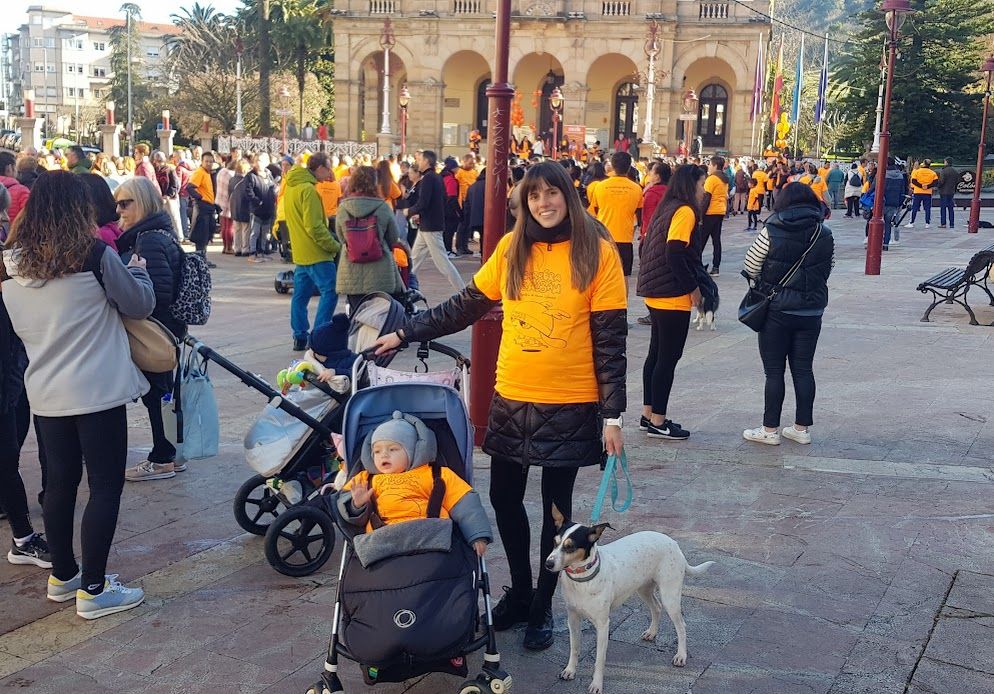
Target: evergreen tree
936	97
126	46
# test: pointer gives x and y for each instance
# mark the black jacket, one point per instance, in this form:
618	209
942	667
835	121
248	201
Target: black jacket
430	204
667	268
790	233
544	434
13	362
27	178
155	241
472	207
260	192
948	180
238	202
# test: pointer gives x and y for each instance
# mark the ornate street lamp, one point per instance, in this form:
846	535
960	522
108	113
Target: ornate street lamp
556	102
403	99
688	117
974	222
239	119
895	12
651	49
387	42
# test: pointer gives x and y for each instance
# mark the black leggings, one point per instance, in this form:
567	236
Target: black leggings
101	439
163	451
508	480
788	338
13	499
852	206
669	335
754	218
711	229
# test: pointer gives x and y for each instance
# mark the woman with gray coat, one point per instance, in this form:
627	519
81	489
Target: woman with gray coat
358	279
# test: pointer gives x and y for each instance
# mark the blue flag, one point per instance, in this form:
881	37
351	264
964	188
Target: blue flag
822	87
795	110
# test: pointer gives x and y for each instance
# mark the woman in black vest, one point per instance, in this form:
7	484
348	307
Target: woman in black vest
668	282
794	321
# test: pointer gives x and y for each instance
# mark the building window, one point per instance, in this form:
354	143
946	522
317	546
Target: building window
152	52
38	42
482	107
51	91
626	111
39	67
99	72
70	91
49	42
50	67
70	67
712	115
99	46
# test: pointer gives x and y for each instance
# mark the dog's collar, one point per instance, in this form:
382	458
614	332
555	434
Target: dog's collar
587	572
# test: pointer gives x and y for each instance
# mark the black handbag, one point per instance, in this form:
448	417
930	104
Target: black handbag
755	305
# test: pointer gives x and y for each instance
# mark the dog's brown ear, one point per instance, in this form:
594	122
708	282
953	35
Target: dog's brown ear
597	531
557	517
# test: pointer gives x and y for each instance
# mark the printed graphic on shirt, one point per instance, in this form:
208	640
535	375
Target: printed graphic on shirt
537	325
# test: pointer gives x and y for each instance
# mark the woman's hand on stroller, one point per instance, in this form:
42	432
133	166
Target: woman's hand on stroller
387	343
480	546
361	494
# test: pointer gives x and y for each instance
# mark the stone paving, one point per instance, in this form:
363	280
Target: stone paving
861	563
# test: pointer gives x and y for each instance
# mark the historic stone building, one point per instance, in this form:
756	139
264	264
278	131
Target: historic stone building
594	50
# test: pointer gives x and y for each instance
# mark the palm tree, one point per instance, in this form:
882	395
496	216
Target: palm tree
204	42
301	34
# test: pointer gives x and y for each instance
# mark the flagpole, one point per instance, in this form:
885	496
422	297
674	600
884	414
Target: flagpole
797	93
822	97
757	103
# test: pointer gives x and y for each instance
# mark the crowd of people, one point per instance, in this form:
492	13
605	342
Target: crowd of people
89	242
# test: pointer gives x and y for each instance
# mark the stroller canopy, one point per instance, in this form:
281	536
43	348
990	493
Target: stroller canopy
440	407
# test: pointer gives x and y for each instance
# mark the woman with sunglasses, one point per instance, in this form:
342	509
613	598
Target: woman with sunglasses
148	232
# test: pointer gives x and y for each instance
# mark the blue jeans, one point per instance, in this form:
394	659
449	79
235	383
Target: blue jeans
307	279
946	203
889	213
184	216
922	200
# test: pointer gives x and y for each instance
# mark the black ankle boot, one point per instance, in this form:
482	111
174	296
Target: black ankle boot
538	635
512	609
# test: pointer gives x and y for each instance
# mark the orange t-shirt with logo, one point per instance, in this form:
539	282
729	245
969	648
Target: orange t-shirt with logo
546	354
681	229
719	195
616	200
465	178
403	496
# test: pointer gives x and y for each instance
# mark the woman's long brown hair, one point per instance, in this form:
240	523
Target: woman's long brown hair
586	232
384	178
53	234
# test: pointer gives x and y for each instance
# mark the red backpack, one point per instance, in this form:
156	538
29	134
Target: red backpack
362	240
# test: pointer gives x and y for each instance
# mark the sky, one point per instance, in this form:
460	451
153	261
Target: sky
15	12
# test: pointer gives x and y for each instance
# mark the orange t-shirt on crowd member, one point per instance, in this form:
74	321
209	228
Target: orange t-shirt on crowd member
204	184
394	195
546	354
403	496
615	201
719	195
466	178
331	193
681	229
926	177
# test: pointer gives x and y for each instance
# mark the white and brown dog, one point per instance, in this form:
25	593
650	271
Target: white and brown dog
599	579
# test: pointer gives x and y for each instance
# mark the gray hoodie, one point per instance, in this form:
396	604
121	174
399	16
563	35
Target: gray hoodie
80	361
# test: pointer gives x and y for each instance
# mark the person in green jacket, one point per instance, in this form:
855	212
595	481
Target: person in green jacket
77	160
313	247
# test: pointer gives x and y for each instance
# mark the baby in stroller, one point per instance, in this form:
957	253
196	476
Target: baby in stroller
400	484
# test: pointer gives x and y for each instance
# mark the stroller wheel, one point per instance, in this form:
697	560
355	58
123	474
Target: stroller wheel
300	541
256	506
280	287
471	687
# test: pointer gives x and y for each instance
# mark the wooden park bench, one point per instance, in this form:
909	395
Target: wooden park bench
952	284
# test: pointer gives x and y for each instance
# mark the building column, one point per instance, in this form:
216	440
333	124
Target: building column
206	142
30	132
166	141
110	137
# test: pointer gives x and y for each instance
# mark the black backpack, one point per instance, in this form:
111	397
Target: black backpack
855	181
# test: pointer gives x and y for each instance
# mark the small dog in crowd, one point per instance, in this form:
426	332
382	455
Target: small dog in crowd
600	578
709	300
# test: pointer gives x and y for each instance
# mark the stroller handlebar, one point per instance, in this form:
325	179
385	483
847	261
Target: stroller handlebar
423	347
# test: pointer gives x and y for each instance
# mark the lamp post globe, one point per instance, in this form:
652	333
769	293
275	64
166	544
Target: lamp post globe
556	102
403	99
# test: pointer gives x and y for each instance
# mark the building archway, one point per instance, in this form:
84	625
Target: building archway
370	103
464	74
613	100
712	115
535	76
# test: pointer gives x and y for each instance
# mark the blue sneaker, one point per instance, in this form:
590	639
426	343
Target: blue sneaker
61	591
116	597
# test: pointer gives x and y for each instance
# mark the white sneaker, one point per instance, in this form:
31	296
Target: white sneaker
761	435
116	597
796	435
928	226
894	243
909	225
